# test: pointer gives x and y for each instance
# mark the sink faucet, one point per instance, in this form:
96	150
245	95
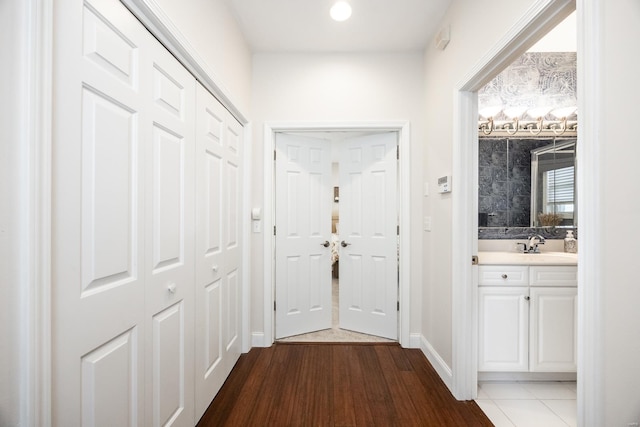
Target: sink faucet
534	241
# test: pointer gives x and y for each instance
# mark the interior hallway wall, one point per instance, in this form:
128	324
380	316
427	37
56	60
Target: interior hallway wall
471	38
337	88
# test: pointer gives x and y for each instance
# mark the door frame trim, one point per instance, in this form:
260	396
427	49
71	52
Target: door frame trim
404	141
535	22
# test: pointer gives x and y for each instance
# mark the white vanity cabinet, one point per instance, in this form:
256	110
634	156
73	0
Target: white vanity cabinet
527	318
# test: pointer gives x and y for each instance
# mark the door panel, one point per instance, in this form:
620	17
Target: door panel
98	289
112	366
168	365
553	329
170	241
368	225
503	329
303	224
109	179
218	249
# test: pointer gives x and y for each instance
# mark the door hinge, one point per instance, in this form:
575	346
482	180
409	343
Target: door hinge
398	230
398	152
274	306
474	260
274	155
398	306
274	230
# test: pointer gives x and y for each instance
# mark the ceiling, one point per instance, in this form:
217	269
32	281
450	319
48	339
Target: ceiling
305	26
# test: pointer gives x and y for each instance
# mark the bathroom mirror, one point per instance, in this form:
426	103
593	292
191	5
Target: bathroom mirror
521	178
553	190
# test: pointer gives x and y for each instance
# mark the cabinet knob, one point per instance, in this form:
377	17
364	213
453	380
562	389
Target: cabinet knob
504	276
214	268
171	288
527	297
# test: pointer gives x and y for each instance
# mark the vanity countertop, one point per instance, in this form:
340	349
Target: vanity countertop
518	258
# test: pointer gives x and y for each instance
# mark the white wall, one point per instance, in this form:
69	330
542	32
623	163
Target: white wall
618	24
471	39
337	87
212	30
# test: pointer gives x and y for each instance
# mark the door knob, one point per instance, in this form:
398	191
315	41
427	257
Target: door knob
325	244
344	244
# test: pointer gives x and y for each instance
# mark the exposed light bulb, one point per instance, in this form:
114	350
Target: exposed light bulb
340	11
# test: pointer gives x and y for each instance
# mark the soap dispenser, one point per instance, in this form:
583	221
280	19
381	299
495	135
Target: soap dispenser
570	243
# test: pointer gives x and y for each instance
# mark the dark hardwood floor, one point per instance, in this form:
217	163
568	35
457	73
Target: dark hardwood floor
337	385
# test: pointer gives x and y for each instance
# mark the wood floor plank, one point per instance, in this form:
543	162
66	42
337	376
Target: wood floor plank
344	385
401	397
220	408
251	390
343	404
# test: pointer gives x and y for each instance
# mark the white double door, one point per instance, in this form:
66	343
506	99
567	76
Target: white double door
145	231
368	290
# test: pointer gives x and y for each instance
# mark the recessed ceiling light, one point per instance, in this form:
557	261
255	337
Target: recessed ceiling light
341	11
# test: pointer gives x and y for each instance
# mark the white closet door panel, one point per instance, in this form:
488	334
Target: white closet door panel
107	46
98	331
170	218
169	366
110	187
231	311
218	248
111	368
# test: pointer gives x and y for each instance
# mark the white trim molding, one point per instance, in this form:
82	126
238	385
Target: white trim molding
404	142
591	384
36	410
438	363
536	21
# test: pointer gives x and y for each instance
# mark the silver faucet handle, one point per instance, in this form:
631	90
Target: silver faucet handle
524	247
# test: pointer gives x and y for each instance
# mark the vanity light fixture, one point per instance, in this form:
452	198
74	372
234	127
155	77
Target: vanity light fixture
340	11
532	121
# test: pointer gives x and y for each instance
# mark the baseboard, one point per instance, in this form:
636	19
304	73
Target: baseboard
526	376
443	370
258	340
415	340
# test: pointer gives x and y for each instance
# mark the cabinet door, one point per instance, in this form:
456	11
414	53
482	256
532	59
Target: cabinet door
553	329
504	327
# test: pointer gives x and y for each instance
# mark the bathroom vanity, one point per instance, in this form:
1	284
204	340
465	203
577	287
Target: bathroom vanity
527	312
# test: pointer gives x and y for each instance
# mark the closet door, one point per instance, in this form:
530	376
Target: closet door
218	249
98	290
122	226
169	240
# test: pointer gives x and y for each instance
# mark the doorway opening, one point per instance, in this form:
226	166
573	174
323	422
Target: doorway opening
537	22
336	248
402	132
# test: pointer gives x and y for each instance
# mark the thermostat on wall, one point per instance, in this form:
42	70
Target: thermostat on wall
444	184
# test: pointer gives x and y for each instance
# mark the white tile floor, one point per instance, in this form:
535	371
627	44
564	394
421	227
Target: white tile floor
529	404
